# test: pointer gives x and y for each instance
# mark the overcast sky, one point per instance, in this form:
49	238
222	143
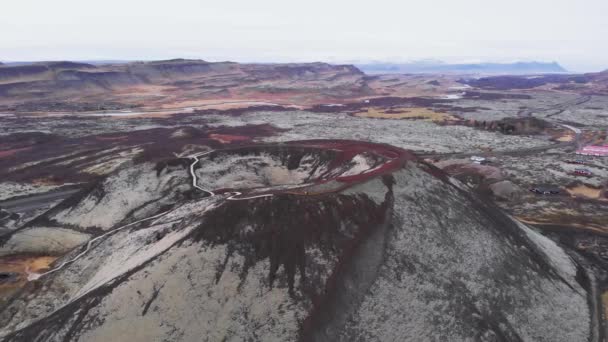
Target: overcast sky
572	32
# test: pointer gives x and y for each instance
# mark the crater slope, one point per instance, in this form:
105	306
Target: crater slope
301	241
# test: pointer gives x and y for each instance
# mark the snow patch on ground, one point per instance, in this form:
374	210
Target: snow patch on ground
253	171
104	166
191	303
12	189
370	189
441	261
556	254
360	164
120	194
43	240
416	135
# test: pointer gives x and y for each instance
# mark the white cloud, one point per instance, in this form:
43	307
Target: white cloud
572	32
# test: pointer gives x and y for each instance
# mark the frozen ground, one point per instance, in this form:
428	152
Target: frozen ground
79	126
551	168
585	110
593	112
415	135
435	264
12	189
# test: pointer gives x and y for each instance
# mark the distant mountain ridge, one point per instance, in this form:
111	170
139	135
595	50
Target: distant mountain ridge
425	67
78	86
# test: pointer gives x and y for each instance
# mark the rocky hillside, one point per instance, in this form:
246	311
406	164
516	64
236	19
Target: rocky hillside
310	240
54	86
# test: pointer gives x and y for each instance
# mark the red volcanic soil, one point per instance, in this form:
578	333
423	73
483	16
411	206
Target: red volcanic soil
386	159
395	158
227	138
242	110
7	153
65	159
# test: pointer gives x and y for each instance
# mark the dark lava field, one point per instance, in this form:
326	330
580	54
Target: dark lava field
186	200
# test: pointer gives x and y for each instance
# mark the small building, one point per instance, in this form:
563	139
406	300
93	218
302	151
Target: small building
594	150
582	172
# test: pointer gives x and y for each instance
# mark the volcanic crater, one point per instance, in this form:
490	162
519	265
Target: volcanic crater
300	167
318	240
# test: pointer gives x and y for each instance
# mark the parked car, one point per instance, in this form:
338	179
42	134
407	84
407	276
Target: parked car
545	191
478	160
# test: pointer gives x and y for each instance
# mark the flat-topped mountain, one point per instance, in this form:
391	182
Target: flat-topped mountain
53	86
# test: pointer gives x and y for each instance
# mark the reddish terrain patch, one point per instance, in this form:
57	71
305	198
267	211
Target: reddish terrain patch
390	159
395	158
64	160
7	153
18	266
227	138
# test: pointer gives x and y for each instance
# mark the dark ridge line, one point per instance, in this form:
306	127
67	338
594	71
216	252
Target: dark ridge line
155	293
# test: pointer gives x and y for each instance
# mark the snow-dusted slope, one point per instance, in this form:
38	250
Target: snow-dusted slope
455	270
401	256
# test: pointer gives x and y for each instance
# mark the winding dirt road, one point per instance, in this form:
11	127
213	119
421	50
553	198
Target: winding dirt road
33	276
233	195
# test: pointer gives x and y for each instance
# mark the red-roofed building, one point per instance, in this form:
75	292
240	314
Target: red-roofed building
594	150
